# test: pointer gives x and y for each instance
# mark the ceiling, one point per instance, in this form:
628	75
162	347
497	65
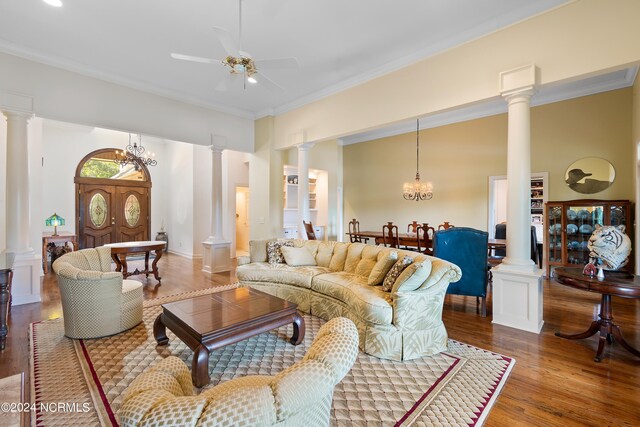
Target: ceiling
337	43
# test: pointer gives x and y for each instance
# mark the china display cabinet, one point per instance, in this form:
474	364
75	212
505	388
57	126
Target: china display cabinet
569	225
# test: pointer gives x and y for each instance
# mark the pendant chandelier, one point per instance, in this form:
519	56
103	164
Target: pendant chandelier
417	190
134	155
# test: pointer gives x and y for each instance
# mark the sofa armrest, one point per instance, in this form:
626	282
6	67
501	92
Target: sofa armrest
441	270
243	260
421	308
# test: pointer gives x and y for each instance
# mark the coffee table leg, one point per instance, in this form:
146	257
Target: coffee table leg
115	259
160	331
154	264
298	329
200	366
146	264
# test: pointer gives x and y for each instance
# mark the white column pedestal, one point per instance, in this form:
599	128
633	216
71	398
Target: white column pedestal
216	249
517	297
216	256
25	285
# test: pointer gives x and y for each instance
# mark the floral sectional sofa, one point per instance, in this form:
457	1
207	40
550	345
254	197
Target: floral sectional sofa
334	279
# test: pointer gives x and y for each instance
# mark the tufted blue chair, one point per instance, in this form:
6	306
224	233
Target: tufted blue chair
467	248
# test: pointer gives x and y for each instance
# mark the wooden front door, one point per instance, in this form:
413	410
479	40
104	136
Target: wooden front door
115	209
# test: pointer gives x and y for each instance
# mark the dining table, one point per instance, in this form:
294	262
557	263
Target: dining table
411	240
405	239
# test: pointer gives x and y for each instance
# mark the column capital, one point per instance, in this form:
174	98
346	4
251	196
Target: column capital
216	149
521	95
305	146
13	114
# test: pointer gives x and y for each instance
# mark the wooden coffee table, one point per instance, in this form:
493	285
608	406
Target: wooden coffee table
212	321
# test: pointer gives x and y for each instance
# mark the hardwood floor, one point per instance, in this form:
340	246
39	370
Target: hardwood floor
555	382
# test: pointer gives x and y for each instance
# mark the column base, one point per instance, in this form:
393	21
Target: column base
217	256
518	298
25	285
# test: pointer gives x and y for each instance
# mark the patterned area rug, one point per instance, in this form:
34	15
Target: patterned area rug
457	387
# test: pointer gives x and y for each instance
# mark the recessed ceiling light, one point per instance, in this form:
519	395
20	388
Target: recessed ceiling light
55	3
252	80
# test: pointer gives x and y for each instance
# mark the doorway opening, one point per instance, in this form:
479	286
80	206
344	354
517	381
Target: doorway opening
498	202
242	220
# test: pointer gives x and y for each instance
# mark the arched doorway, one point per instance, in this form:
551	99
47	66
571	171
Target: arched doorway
112	201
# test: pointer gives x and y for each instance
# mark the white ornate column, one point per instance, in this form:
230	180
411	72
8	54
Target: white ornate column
517	282
27	265
217	250
303	188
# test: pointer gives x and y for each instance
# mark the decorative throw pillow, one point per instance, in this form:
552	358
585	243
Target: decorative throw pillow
395	272
413	276
296	257
274	254
382	267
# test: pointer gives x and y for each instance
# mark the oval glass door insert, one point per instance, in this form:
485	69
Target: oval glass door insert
98	210
132	210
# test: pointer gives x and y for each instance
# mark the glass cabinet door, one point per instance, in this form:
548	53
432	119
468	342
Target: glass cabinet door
554	216
581	221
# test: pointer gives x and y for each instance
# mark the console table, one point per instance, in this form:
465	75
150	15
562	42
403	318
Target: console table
6	263
620	284
119	252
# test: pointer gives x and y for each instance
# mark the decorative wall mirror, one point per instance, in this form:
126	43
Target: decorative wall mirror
590	175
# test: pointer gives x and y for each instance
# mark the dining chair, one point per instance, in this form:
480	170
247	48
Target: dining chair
445	226
424	235
411	228
308	227
354	232
390	236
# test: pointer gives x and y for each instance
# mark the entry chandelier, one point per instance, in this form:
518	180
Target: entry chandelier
134	155
417	190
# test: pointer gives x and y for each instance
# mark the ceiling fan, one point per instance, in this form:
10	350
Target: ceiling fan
240	63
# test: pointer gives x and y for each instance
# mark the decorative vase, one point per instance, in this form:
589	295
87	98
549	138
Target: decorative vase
162	235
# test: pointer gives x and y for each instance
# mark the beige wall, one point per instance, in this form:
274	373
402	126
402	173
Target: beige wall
459	158
577	40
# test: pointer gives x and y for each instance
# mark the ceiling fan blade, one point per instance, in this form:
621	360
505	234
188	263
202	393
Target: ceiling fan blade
227	41
269	64
226	83
194	58
267	82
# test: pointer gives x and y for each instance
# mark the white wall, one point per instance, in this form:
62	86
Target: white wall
202	204
180	195
35	137
63	147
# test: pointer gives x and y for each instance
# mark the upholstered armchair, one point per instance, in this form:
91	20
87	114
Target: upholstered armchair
96	302
300	395
467	248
